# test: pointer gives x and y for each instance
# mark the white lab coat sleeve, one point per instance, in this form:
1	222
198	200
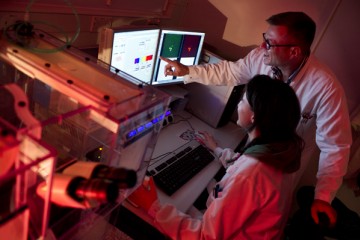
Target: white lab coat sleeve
333	137
226	156
223	219
227	72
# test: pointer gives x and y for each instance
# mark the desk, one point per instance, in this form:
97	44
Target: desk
169	139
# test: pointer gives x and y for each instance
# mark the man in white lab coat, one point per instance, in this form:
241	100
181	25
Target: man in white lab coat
285	54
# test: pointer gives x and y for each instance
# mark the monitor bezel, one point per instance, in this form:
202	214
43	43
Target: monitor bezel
136	30
159	63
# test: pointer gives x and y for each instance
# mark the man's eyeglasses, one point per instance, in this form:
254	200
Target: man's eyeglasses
269	45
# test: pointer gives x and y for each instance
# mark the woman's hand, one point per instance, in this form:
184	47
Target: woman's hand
207	139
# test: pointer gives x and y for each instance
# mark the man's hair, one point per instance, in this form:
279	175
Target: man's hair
276	108
299	25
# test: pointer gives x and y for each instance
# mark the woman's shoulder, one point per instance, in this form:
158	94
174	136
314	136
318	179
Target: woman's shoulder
250	167
247	165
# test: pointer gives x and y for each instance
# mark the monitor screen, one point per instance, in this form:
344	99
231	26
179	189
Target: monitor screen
183	46
133	51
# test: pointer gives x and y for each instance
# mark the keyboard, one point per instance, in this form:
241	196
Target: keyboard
173	171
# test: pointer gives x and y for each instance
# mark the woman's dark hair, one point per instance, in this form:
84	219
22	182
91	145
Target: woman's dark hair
276	108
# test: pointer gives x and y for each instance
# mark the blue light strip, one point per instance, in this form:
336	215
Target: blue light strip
138	130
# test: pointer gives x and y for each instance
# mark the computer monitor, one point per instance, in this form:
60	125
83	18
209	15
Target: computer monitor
183	46
130	49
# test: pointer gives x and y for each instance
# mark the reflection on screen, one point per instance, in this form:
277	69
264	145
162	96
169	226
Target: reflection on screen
182	46
134	52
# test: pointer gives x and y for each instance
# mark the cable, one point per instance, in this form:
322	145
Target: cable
183	119
158	158
23	31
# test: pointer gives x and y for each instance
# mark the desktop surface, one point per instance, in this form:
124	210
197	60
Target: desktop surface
172	137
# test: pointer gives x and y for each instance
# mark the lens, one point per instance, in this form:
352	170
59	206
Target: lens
123	177
98	190
267	45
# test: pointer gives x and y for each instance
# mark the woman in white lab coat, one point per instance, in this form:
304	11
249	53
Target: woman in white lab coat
253	198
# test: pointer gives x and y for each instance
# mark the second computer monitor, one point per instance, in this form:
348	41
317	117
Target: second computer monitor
182	46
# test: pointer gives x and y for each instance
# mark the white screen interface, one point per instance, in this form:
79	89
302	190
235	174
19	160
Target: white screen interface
134	52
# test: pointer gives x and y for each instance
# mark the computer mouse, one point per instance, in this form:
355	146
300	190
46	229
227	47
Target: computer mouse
198	135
